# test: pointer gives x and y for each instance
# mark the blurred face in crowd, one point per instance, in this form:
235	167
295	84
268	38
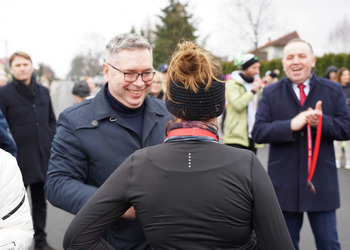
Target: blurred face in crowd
298	61
3	80
253	70
333	76
130	94
269	79
156	85
164	76
345	77
91	84
22	69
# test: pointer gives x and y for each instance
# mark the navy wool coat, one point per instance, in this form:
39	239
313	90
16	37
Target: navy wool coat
91	141
33	126
287	164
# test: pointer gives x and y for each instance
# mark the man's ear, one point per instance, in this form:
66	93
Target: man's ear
105	72
313	63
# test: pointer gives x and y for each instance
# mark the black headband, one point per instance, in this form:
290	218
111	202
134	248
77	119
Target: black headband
199	106
250	62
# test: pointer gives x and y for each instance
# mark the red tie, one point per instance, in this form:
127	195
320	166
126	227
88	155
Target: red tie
302	94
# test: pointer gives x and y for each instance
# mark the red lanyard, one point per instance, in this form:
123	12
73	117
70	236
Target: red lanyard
191	131
311	164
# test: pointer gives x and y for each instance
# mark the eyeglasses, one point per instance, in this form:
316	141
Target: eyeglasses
132	77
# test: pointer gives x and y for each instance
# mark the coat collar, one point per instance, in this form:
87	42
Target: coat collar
154	109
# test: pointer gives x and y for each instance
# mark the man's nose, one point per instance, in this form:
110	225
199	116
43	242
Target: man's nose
296	59
139	82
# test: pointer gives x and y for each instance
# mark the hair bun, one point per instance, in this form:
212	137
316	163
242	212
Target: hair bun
195	85
192	65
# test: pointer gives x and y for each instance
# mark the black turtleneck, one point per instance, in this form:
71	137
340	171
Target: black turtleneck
133	116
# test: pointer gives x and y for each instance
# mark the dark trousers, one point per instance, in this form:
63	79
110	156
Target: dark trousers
251	146
323	225
38	198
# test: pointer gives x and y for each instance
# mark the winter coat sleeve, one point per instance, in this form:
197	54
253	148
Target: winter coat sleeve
66	184
235	98
6	141
268	221
105	206
15	219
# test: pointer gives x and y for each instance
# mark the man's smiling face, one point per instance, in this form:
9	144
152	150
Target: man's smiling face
298	61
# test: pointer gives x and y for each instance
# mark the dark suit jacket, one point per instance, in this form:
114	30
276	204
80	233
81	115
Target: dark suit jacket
287	165
33	126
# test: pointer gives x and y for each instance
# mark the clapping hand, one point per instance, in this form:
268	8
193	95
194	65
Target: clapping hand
309	116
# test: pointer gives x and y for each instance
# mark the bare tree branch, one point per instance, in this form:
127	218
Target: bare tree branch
340	37
252	20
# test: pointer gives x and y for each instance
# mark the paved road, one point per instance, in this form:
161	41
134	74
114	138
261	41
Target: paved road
58	220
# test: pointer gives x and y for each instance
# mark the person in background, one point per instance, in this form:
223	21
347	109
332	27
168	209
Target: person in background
89	80
223	116
343	77
271	76
190	192
27	108
80	91
163	69
342	148
242	93
3	80
16	227
285	111
6	140
94	137
157	86
331	72
44	81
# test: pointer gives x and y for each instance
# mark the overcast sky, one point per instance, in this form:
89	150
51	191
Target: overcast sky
54	31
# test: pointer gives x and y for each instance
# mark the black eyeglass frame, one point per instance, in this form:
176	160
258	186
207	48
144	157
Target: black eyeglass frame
129	74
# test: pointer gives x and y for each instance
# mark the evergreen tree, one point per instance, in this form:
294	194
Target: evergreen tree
176	24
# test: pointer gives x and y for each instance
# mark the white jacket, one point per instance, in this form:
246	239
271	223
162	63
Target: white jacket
16	227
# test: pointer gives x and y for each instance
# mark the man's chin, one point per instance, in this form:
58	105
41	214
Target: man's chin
134	104
23	79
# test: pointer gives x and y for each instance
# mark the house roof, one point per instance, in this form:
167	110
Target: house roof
280	42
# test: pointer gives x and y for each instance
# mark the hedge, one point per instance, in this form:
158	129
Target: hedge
339	60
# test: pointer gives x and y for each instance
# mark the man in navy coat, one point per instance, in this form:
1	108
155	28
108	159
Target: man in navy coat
94	137
282	120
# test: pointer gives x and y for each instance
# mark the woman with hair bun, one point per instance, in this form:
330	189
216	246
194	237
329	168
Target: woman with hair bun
190	192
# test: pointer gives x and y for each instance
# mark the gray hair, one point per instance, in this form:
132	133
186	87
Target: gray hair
296	40
129	41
